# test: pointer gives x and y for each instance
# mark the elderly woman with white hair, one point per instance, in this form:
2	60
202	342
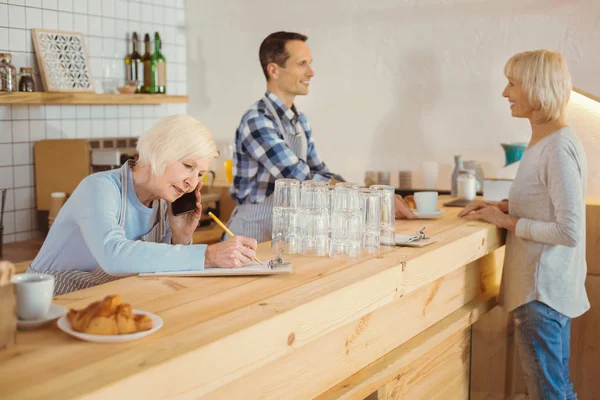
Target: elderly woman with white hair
544	266
120	222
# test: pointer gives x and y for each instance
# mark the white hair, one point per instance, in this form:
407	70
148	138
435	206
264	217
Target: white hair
545	79
175	138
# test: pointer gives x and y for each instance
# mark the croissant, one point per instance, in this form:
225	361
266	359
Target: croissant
108	317
410	201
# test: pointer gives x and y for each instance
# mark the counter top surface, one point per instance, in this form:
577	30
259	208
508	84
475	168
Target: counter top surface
219	329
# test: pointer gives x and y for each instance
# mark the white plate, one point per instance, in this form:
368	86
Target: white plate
402	240
55	311
428	215
157	323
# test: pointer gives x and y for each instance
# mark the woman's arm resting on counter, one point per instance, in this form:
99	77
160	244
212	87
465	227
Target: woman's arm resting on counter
99	203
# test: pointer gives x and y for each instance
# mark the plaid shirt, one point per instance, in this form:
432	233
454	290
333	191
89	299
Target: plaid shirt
261	155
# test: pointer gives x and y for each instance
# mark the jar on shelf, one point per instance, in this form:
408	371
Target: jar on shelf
466	184
26	83
8	73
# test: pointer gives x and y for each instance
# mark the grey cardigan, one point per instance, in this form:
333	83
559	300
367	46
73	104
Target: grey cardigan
545	257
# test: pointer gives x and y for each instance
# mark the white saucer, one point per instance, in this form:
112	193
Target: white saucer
428	215
55	311
157	322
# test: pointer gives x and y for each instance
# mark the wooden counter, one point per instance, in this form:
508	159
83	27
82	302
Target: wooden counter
334	330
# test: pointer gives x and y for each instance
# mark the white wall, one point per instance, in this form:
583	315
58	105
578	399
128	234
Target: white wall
397	82
104	24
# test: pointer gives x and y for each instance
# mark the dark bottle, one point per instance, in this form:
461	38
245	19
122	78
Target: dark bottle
137	68
160	66
149	78
26	82
128	68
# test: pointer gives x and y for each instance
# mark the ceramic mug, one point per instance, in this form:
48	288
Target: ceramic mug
33	294
426	202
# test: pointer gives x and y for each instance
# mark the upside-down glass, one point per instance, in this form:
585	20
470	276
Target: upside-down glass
346	224
286	202
370	207
313	220
388	219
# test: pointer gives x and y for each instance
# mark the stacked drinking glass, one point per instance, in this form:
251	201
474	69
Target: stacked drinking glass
313	219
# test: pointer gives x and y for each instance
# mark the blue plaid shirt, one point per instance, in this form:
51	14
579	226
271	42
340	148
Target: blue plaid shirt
261	155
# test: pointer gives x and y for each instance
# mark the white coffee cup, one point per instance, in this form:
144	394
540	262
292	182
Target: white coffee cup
34	295
426	201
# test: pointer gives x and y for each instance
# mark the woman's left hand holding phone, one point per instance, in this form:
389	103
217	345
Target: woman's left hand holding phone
184	225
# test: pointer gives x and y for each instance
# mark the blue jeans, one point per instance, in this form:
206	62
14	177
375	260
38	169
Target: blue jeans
542	336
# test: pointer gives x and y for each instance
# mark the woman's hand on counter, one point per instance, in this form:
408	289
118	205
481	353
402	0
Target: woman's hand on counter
492	214
232	253
402	209
479	204
183	226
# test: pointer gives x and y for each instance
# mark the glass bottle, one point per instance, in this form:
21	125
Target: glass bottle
160	66
466	184
128	68
137	67
458	165
26	83
8	74
149	83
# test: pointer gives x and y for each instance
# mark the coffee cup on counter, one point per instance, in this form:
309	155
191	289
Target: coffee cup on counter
426	201
34	295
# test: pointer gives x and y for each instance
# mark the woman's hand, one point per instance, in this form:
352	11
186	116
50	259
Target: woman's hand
232	253
475	206
402	209
493	215
183	226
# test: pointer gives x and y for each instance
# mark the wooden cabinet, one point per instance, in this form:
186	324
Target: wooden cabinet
496	370
585	330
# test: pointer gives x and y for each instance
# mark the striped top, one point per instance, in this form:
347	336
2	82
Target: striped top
87	234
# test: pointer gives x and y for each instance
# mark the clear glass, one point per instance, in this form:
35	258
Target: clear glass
8	74
286	201
370	208
388	219
346	226
313	220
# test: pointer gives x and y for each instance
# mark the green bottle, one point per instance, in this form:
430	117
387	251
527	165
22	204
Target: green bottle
149	82
160	66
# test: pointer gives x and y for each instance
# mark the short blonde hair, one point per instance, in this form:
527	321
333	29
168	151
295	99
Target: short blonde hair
545	79
175	138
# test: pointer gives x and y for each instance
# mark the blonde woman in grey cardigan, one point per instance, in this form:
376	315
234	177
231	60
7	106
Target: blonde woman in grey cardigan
544	267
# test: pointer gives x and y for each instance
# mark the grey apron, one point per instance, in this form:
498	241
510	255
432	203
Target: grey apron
69	281
255	220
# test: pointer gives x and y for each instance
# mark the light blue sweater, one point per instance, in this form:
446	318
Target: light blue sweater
86	234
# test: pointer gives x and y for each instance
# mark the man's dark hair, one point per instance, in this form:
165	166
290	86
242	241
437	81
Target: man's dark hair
272	49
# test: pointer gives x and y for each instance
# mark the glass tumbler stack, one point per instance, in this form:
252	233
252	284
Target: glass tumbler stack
286	202
346	226
388	217
313	220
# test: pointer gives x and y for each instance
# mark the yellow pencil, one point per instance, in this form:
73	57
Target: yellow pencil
222	225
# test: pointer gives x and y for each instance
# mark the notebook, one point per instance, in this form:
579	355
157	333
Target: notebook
263	268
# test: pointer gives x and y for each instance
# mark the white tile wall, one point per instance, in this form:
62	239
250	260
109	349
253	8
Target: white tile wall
105	24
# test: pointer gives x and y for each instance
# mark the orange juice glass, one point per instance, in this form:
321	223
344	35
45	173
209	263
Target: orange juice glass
229	170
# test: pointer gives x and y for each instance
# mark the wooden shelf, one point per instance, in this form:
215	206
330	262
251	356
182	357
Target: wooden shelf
87	98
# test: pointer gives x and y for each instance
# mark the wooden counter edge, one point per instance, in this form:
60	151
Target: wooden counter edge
371	378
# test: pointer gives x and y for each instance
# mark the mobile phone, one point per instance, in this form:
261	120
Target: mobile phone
184	204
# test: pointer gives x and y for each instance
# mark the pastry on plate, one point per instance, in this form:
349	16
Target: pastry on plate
108	317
